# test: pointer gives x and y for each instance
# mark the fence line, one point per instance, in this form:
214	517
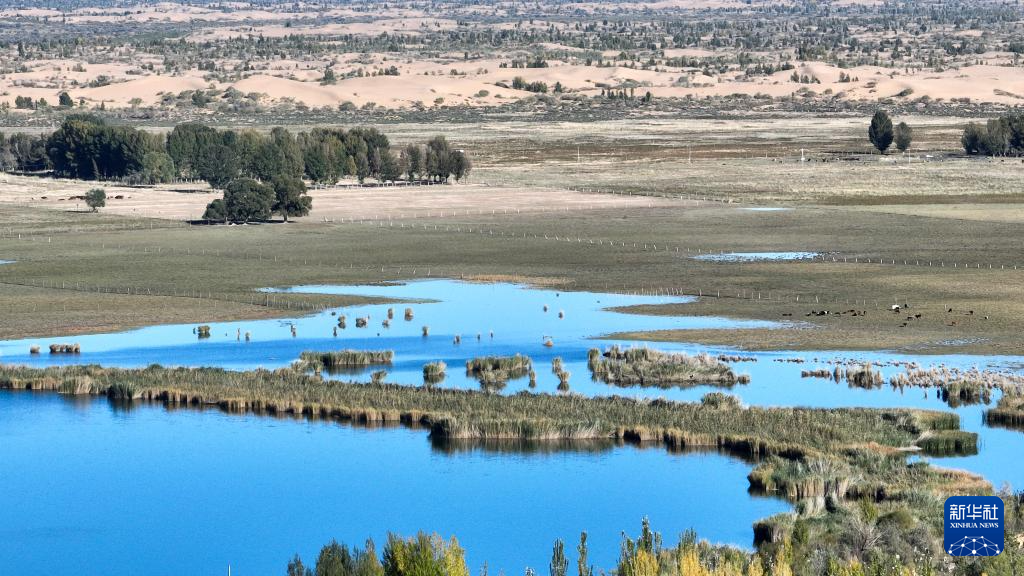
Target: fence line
401	218
829	257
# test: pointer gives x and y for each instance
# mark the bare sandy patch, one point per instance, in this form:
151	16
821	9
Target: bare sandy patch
188	201
457	200
167	201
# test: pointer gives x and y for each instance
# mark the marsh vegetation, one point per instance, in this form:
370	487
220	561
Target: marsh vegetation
643	366
342	359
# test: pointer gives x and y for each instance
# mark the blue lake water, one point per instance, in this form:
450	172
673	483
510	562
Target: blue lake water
93	490
252	491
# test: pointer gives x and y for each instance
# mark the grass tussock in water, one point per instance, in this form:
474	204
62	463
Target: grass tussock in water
434	372
646	367
494	372
1009	412
65	349
328	361
864	376
558	369
959	387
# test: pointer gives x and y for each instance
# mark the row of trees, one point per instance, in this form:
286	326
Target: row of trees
1002	136
86	147
323	155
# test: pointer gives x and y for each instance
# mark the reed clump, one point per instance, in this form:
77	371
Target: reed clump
494	372
558	369
864	376
556	365
434	372
646	367
816	373
1009	412
563	380
958	387
964	393
720	400
801	479
949	443
65	349
330	361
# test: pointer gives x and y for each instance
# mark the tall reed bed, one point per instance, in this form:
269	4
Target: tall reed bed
646	367
328	361
1009	412
762	430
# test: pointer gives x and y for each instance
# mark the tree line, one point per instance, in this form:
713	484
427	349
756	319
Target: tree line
261	173
87	148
